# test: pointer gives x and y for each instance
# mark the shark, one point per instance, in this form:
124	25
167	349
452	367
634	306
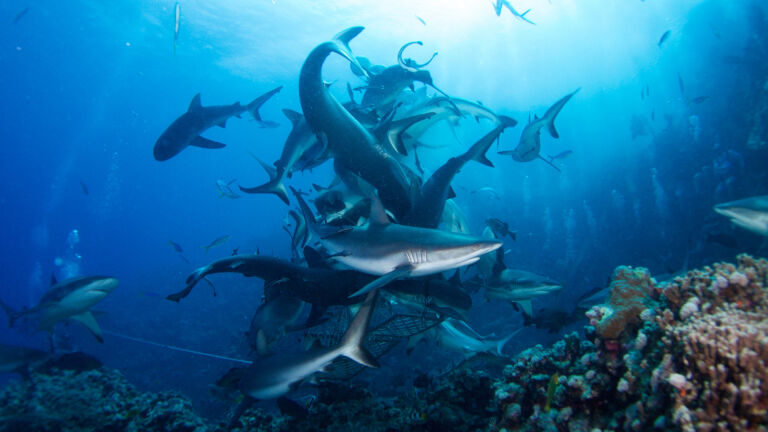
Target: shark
19	359
185	131
499	4
70	299
530	140
274	376
384	88
349	142
459	336
301	141
273	319
428	209
748	213
517	286
393	251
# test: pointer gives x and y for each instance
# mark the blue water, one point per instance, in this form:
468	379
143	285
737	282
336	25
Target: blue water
88	86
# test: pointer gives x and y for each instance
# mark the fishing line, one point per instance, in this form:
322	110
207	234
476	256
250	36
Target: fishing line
175	348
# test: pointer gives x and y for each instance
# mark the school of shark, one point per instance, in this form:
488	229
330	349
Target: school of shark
381	256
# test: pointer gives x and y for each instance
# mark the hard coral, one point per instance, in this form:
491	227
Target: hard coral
631	291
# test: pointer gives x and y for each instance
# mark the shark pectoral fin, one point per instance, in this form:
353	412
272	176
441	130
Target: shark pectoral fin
451	192
201	142
86	318
397	273
526	306
223	124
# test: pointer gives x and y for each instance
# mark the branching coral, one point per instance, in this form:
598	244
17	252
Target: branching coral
723	349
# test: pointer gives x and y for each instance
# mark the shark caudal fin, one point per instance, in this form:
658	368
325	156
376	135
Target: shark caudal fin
274	185
502	342
254	106
192	280
352	342
340	45
554	110
13	315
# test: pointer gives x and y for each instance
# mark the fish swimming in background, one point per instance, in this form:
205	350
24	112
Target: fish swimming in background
488	190
663	38
500	228
499	4
185	131
225	189
20	15
420	19
562	155
681	84
19	359
69	299
218	242
699	100
748	213
83	188
175	246
177	13
530	140
268	124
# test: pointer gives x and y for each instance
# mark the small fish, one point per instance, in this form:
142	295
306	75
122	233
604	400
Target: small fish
488	190
561	155
700	100
420	19
236	251
84	188
225	189
663	38
177	13
20	15
681	84
218	242
175	246
268	124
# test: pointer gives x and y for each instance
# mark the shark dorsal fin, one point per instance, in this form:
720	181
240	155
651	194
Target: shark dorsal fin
53	279
378	217
293	116
195	103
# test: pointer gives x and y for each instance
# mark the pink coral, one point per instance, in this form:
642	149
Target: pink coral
630	295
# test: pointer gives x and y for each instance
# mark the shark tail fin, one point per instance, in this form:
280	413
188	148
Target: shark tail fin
554	110
13	315
352	343
254	106
312	223
192	280
274	185
340	44
502	342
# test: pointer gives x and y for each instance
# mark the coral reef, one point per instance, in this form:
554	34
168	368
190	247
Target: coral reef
692	355
96	400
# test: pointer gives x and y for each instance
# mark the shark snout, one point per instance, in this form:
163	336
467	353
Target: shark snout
104	286
481	248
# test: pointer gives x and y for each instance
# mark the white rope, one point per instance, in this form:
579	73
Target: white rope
175	348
